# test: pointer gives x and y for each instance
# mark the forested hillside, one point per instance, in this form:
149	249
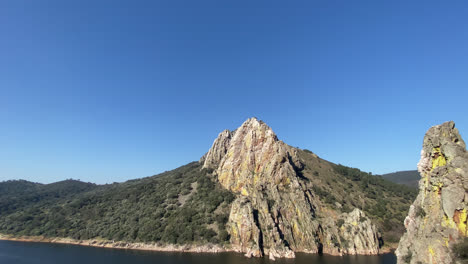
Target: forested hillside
343	188
179	206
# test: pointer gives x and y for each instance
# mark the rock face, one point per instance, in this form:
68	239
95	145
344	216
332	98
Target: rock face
361	234
438	217
275	212
218	150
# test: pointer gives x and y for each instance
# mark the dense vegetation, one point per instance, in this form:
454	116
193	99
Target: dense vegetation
344	188
410	178
461	250
385	201
181	206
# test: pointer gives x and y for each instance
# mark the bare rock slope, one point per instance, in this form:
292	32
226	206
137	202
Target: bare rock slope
275	212
438	217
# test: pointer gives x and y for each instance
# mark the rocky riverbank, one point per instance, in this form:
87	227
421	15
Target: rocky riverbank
208	248
102	243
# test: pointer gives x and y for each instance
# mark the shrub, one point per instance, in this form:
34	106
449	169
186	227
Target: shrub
408	257
344	242
461	249
419	211
340	223
223	235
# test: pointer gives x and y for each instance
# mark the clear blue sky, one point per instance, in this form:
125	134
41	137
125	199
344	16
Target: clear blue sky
107	91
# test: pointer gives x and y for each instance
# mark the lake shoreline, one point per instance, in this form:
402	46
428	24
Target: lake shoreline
101	243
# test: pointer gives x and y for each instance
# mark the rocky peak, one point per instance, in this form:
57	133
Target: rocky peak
438	217
252	128
255	158
442	143
250	157
274	213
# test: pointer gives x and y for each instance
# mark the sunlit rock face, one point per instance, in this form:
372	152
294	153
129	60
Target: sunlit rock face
218	150
274	213
438	217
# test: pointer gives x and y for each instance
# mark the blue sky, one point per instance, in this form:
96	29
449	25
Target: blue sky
107	91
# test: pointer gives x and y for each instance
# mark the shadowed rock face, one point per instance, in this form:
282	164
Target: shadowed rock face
438	217
274	213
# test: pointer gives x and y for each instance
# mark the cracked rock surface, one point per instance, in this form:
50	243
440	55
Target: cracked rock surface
275	214
438	217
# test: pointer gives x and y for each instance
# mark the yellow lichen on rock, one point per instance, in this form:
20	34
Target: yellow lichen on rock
438	159
255	178
460	218
296	228
462	225
436	188
298	212
437	219
244	192
431	251
223	176
234	231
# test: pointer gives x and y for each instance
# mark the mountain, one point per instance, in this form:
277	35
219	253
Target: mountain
436	225
410	178
250	193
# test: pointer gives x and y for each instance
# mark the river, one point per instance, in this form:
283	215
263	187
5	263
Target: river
13	252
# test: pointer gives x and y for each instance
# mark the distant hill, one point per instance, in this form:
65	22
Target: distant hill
20	195
409	178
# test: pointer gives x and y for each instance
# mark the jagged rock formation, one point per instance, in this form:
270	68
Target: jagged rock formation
438	217
275	211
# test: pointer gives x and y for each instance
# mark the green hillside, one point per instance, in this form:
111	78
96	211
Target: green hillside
182	206
179	206
343	188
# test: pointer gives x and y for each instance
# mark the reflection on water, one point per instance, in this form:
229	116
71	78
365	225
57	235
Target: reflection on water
40	253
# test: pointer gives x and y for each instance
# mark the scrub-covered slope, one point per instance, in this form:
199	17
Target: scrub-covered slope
181	206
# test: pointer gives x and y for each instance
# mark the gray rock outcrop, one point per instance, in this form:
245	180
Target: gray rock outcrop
275	212
438	217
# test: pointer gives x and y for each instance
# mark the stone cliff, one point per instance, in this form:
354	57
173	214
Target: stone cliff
275	212
438	217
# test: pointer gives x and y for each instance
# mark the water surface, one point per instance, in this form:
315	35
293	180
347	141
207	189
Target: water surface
12	252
